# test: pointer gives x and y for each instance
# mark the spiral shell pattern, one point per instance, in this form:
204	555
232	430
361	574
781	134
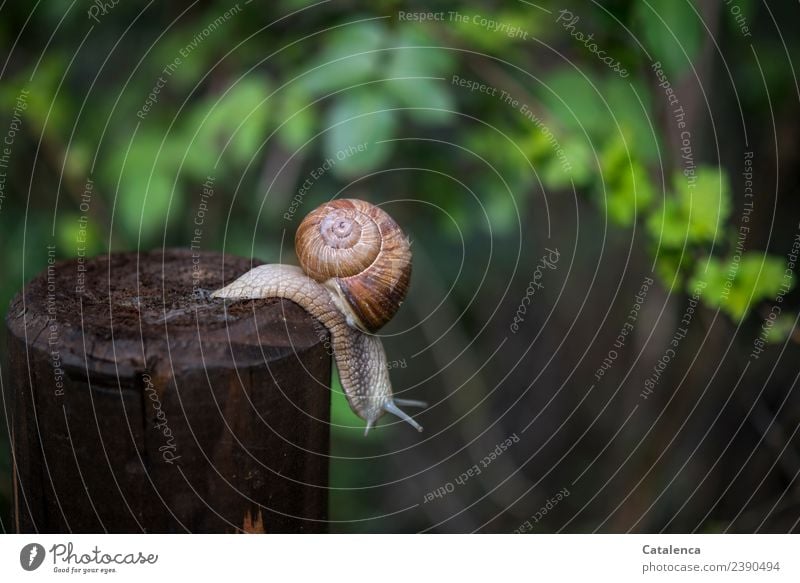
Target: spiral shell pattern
358	250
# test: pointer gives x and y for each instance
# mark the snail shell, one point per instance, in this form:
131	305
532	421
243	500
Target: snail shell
361	254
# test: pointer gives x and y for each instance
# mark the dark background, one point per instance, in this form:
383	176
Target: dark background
264	96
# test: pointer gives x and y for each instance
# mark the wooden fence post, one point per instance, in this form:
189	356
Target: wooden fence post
139	404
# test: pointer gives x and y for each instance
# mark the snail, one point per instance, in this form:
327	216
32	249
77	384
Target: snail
355	270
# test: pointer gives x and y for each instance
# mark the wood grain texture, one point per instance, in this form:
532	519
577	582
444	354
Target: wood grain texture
139	404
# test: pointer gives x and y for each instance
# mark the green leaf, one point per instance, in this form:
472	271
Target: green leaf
231	125
627	187
632	117
411	66
72	235
575	101
781	329
430	101
704	202
350	56
668	226
410	55
299	120
671	266
502	213
630	195
356	122
745	11
182	72
534	143
79	159
736	284
710	276
616	157
669	29
35	100
573	164
479	37
143	200
696	212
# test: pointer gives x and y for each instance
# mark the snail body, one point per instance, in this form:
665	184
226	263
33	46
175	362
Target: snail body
356	267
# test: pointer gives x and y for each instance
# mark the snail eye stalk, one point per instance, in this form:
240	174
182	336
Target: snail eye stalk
390	407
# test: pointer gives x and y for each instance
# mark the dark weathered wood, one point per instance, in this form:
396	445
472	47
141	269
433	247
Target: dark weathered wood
241	443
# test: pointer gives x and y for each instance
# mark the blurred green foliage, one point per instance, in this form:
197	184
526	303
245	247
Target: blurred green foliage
736	284
226	104
258	93
672	32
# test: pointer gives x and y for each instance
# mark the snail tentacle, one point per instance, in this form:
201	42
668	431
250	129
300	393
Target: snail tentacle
411	403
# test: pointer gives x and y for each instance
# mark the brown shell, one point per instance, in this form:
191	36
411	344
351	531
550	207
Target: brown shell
363	250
